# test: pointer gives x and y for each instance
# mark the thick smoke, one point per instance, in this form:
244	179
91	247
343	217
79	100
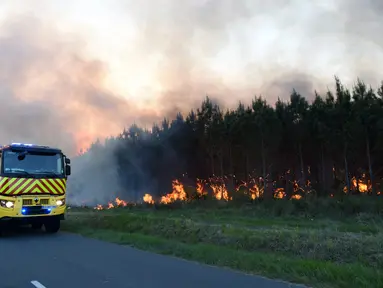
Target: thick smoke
275	45
94	178
52	93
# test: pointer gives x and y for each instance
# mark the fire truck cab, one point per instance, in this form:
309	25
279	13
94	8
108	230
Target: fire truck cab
33	186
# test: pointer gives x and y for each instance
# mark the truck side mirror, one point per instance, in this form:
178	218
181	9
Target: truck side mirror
21	155
67	170
67	161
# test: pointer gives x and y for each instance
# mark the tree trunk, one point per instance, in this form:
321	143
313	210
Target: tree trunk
324	188
288	185
221	163
269	190
264	172
303	173
231	166
247	165
231	159
347	177
370	165
211	154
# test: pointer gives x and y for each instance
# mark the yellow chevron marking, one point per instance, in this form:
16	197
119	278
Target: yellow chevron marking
61	184
31	186
10	181
43	181
2	181
14	185
22	187
63	188
41	188
60	189
36	189
48	184
54	184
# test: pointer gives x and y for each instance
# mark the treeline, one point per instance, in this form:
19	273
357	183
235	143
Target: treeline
326	146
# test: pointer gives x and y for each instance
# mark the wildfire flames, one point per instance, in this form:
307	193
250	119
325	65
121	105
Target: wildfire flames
118	203
178	193
359	184
217	188
148	199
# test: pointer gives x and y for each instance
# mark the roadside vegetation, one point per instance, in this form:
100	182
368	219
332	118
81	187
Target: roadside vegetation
334	242
291	190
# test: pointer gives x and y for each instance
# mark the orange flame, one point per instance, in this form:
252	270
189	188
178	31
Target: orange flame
121	202
362	185
200	189
148	199
279	193
220	192
254	189
178	193
117	203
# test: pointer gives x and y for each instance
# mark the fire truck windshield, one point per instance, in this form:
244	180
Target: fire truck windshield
32	163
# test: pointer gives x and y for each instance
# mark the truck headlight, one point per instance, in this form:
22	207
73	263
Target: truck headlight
7	204
60	202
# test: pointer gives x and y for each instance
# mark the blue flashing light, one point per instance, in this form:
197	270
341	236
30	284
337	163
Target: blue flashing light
23	211
23	144
49	209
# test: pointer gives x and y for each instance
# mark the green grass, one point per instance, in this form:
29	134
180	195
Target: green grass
343	252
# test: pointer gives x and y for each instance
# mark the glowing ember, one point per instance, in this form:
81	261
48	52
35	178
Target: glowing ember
280	193
254	191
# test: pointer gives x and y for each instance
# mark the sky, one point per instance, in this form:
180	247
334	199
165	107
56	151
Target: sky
72	71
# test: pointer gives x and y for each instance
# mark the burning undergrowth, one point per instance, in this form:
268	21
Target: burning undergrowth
224	190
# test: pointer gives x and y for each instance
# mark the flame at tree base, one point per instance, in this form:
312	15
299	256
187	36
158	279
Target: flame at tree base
216	189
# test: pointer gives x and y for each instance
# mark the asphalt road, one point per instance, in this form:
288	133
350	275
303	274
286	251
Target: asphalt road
64	260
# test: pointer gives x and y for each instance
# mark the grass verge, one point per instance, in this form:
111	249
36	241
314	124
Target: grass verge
317	252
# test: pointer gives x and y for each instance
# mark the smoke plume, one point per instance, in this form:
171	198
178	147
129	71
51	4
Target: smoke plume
264	48
53	92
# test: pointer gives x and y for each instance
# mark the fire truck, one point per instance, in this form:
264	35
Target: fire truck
33	186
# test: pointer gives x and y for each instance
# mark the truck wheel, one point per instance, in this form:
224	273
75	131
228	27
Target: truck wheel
52	225
37	225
